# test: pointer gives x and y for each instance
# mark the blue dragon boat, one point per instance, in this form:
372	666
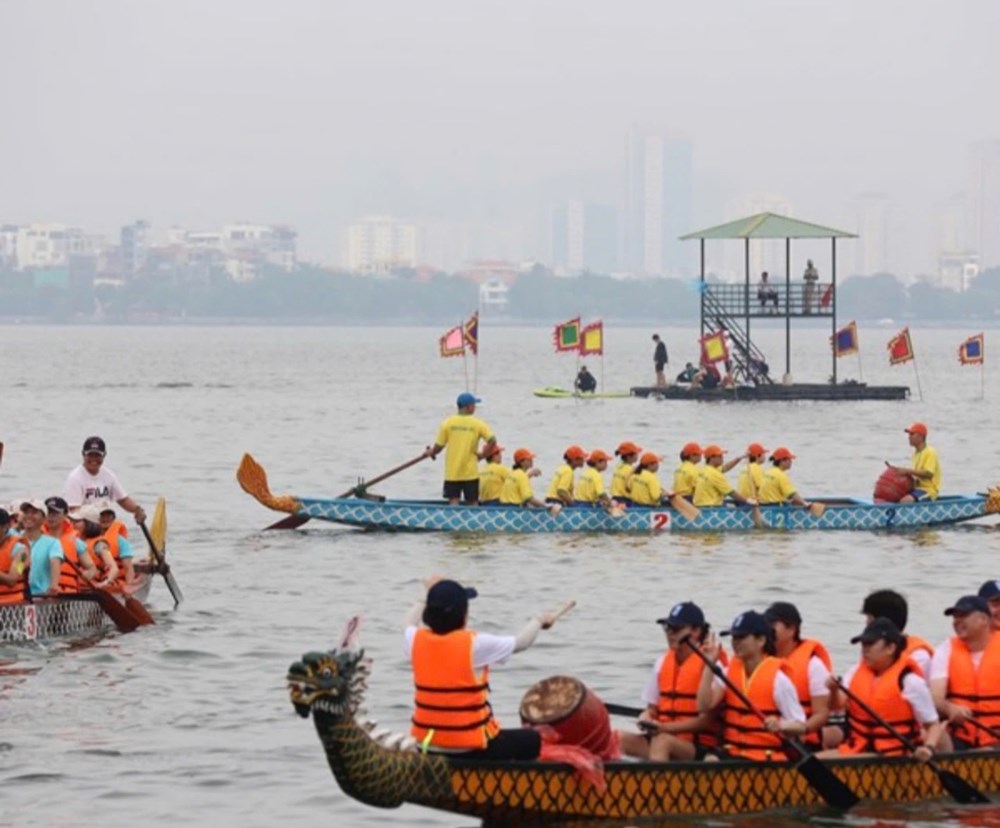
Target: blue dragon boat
438	516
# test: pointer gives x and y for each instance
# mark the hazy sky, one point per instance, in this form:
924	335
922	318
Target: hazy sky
314	112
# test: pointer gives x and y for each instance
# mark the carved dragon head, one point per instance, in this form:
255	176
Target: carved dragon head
332	682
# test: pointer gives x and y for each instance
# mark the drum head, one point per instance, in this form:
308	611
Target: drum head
551	700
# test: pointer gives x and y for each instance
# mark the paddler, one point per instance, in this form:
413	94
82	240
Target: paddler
589	489
713	488
45	552
560	491
627	454
460	435
645	485
925	470
887	603
76	559
687	473
990	592
492	475
451	673
778	487
753	473
13	562
110	550
517	489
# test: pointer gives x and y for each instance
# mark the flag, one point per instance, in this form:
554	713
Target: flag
973	350
845	341
900	347
713	347
453	342
471	332
592	339
827	298
566	336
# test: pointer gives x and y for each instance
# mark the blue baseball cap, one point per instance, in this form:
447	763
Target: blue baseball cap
685	614
450	595
967	604
990	590
748	623
465	399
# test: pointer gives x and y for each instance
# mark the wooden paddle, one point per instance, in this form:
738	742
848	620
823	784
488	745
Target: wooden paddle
960	790
296	520
817	509
685	507
985	728
123	617
1	452
162	567
820	778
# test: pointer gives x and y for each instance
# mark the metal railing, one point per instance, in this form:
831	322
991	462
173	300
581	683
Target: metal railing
777	299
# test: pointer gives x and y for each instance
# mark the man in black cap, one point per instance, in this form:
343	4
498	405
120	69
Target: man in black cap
965	676
75	555
990	590
92	481
451	668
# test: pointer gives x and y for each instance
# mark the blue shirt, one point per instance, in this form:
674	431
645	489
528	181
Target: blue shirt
124	548
43	550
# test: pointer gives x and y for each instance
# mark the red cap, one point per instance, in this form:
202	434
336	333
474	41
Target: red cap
597	455
782	454
756	450
628	447
690	449
649	458
496	448
523	454
575	453
917	428
714	451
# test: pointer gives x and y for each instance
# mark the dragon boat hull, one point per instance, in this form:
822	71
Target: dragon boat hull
399	515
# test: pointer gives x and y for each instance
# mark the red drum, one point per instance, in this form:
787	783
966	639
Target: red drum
571	709
892	487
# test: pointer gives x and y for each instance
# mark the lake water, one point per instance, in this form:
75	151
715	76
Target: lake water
188	722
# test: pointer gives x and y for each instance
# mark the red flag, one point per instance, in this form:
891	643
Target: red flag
827	296
713	348
973	350
566	336
900	347
592	339
472	333
453	342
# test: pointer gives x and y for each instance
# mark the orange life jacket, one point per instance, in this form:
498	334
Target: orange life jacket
111	538
914	643
452	701
118	528
14	593
883	694
798	664
678	684
69	581
976	688
743	732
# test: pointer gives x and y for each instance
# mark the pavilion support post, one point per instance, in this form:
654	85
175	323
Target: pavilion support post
788	310
833	281
704	287
746	300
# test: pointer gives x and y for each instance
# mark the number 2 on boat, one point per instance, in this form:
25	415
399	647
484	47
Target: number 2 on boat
660	521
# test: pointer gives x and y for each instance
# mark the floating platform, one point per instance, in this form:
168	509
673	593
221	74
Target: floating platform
795	391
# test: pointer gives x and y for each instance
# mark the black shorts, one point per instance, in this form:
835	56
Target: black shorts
516	743
462	489
660	366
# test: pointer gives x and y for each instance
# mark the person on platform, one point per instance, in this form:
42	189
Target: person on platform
621	480
751	479
492	476
925	468
687	473
712	488
688	374
965	677
451	673
13	562
92	481
517	489
778	487
590	489
45	552
810	276
990	592
671	724
660	361
887	603
766	293
585	382
561	487
460	434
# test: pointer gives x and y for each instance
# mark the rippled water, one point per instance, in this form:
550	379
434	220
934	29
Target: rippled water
188	722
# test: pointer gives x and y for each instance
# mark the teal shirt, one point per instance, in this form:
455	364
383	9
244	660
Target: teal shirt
43	550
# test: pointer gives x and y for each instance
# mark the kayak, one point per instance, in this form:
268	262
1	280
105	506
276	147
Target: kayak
553	392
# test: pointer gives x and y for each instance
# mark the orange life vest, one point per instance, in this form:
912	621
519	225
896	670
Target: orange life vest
452	701
883	694
678	684
69	581
798	665
118	528
914	643
743	732
111	538
976	688
14	593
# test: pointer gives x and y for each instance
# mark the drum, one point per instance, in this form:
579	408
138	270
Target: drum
571	709
892	487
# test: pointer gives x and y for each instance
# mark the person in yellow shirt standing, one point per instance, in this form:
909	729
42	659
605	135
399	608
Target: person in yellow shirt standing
926	471
713	488
590	487
561	488
492	476
621	479
778	488
517	489
751	479
460	435
687	473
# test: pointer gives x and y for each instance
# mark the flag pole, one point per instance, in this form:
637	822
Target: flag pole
475	354
861	374
465	353
916	371
982	379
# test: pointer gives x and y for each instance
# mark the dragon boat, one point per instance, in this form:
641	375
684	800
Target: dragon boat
376	513
79	615
386	770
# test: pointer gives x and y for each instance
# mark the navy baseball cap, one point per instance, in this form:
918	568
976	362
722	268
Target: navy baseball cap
785	612
448	595
967	604
881	629
56	504
94	445
4	517
748	623
465	398
685	614
990	590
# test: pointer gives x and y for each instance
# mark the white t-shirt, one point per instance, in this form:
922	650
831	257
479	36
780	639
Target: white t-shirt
942	658
786	697
487	649
922	659
83	487
818	674
915	691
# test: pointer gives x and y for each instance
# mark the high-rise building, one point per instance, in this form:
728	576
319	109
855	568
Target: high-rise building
958	265
984	202
584	237
658	203
135	247
869	218
380	244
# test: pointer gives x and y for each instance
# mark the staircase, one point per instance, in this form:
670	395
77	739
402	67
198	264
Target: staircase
749	364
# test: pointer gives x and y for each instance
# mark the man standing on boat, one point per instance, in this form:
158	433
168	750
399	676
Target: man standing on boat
660	361
92	481
926	470
460	434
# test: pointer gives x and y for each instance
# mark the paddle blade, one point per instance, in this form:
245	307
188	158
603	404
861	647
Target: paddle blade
823	780
685	507
135	606
817	509
158	526
960	790
290	522
123	619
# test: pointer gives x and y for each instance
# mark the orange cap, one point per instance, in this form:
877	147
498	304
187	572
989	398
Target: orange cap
713	451
690	449
756	450
649	458
496	448
597	455
523	454
575	453
628	447
917	428
782	454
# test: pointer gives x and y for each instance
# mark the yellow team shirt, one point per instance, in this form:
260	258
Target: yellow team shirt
562	479
646	489
927	460
743	484
777	487
686	478
590	486
621	480
712	487
460	435
516	489
491	480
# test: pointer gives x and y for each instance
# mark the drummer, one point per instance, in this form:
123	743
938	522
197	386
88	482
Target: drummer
560	491
687	473
492	475
671	724
628	454
590	489
451	672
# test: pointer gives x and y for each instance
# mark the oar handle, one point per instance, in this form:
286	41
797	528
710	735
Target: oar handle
559	613
386	475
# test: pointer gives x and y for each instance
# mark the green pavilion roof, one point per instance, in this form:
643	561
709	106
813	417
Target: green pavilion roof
769	226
